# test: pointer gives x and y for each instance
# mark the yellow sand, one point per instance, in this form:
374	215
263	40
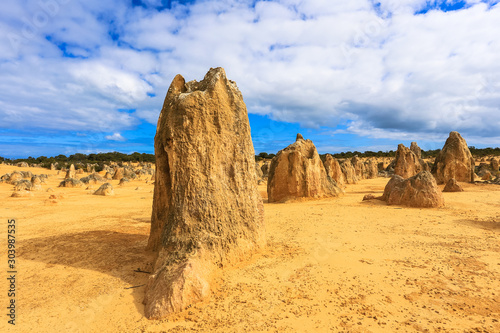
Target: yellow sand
330	265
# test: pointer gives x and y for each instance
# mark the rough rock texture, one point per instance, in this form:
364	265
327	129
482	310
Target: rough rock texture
348	171
454	161
22	185
416	150
368	197
333	170
123	181
494	164
71	182
453	186
418	191
207	211
486	175
298	172
94	178
118	174
265	169
36	184
71	173
371	168
359	167
258	171
14	177
105	189
407	163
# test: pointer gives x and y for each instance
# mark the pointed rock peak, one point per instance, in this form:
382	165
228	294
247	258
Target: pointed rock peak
215	73
299	137
178	85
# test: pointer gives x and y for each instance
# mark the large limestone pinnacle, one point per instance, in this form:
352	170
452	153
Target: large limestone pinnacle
454	161
207	211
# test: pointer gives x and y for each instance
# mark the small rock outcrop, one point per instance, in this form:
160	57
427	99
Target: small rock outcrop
123	181
454	161
94	179
118	174
22	185
105	189
418	191
207	210
71	182
452	186
298	172
71	173
36	184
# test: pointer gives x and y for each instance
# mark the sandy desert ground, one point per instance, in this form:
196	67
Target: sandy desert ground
330	265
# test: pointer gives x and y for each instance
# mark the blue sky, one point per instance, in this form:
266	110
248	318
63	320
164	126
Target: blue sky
91	76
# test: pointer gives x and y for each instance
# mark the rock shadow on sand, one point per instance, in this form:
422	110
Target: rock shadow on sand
109	252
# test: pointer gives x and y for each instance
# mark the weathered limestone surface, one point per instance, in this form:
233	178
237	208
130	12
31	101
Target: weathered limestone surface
207	211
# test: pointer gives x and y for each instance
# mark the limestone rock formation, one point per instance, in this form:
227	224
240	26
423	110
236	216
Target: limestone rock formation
333	170
36	184
407	163
416	150
14	177
298	172
105	189
349	172
207	211
22	185
454	161
453	186
265	169
258	171
123	181
371	168
94	179
418	191
494	164
71	173
358	166
118	174
71	182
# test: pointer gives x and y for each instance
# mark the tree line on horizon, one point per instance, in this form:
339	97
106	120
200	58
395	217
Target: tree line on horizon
100	158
